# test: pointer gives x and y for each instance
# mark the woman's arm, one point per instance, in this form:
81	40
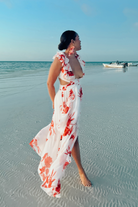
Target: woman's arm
75	65
53	74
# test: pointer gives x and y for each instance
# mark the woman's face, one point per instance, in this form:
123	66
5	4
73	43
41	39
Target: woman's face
77	43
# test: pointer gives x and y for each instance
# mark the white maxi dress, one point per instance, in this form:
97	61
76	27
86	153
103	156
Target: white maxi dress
54	142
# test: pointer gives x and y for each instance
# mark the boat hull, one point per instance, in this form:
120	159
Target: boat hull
113	66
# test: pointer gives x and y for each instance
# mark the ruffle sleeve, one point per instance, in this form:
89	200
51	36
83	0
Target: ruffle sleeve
62	58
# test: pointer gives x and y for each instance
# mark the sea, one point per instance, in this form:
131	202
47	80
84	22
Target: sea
15	76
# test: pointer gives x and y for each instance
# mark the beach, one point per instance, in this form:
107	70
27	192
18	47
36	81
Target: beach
108	137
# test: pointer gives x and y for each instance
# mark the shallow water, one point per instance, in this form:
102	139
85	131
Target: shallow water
108	137
16	76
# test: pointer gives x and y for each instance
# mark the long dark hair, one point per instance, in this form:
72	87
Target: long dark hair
66	38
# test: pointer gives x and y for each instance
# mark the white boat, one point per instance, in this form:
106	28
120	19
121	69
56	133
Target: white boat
113	65
131	64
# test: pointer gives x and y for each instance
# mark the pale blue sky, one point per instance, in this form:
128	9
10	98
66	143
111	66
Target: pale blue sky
31	29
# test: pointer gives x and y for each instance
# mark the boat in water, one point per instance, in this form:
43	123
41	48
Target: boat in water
131	64
118	64
115	65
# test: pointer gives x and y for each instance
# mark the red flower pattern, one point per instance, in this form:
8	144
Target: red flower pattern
67	131
70	119
51	129
34	145
69	126
47	160
80	93
64	166
70	73
56	190
64	108
68	152
71	94
49	180
58	186
52	180
62	94
72	136
62	70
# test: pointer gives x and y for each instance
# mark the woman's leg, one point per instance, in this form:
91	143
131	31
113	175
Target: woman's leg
76	156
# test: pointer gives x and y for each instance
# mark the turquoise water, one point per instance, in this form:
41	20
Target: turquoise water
16	76
20	68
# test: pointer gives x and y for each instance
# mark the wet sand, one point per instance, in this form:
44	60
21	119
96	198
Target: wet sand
108	137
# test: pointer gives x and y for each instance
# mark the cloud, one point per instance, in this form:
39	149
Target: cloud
86	9
129	12
136	24
131	16
7	2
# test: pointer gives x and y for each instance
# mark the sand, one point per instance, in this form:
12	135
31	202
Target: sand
108	138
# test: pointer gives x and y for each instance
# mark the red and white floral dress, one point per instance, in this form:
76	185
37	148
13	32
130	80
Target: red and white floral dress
54	142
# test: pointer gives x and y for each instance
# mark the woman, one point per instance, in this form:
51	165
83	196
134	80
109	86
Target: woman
56	142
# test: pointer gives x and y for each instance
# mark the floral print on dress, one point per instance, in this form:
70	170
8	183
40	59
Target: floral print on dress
54	142
34	144
64	108
66	73
80	93
71	94
51	129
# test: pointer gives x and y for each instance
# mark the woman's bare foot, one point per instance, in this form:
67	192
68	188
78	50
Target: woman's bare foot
85	181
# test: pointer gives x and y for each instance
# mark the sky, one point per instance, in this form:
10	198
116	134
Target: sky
30	30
